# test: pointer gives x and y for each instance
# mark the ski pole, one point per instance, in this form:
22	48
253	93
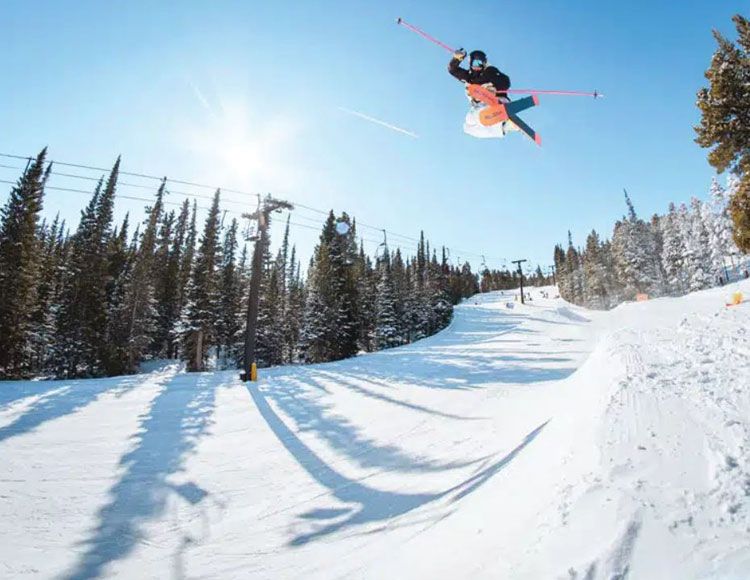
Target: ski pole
423	34
434	40
595	94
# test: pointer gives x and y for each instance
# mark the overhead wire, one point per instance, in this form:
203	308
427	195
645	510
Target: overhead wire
400	238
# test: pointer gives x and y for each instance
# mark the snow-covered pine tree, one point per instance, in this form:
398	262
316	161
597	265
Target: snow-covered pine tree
137	317
635	257
81	347
330	329
231	301
42	324
285	271
270	338
561	271
437	288
343	254
673	251
295	308
400	286
19	267
386	325
317	327
698	267
613	285
366	280
594	274
574	272
165	286
198	326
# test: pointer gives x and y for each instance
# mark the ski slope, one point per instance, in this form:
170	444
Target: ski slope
538	441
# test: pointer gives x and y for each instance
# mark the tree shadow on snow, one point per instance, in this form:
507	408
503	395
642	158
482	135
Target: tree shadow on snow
364	504
60	398
311	415
370	393
177	419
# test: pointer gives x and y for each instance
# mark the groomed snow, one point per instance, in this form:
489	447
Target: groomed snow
538	441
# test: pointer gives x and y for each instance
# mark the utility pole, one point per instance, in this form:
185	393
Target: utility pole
263	217
520	272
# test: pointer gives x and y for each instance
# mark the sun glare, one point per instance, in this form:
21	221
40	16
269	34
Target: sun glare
237	144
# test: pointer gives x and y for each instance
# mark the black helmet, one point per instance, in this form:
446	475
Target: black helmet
477	56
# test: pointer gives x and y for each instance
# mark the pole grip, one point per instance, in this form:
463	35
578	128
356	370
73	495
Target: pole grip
423	34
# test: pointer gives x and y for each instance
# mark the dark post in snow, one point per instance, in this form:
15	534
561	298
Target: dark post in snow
554	282
263	217
520	272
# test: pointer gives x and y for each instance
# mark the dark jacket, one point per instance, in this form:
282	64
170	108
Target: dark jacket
488	74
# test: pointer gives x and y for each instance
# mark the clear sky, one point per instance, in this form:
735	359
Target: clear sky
248	95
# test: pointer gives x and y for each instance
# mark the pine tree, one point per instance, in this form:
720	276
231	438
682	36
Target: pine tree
198	328
19	268
331	326
636	259
697	250
366	283
81	347
722	241
295	309
139	312
725	123
386	324
574	273
42	324
269	347
594	274
231	300
739	208
673	251
164	287
561	268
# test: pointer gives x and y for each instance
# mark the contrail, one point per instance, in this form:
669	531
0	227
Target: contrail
379	122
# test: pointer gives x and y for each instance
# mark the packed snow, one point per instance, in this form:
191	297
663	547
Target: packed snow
524	441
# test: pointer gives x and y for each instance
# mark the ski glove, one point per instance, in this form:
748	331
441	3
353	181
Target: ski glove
460	54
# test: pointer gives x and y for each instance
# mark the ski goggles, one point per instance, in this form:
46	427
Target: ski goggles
477	63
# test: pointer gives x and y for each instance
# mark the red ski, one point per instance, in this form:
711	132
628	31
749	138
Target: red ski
497	112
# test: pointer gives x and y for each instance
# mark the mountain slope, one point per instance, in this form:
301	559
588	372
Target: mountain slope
523	441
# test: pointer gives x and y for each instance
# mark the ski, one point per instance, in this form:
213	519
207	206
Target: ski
500	112
530	133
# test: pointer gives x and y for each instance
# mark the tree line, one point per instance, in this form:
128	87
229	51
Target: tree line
688	248
684	250
100	300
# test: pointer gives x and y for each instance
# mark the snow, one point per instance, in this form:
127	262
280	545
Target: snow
538	441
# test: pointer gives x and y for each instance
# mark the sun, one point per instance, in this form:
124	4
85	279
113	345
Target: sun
242	146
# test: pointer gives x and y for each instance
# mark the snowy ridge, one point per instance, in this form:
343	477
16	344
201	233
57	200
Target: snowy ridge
524	441
669	496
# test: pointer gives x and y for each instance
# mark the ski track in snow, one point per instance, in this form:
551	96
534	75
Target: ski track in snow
536	441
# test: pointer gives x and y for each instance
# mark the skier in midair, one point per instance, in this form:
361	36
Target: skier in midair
489	77
480	73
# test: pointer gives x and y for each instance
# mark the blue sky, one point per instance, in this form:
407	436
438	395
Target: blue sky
247	95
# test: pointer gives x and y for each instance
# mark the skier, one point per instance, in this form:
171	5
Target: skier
489	77
479	73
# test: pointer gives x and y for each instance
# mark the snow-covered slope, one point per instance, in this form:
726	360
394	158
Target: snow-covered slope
538	441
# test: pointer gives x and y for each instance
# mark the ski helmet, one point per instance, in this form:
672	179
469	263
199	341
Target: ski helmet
477	56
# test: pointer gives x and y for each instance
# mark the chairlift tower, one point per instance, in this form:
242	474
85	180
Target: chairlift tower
262	216
520	273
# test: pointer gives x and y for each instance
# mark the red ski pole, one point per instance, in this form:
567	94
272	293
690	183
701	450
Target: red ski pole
595	94
423	34
434	40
